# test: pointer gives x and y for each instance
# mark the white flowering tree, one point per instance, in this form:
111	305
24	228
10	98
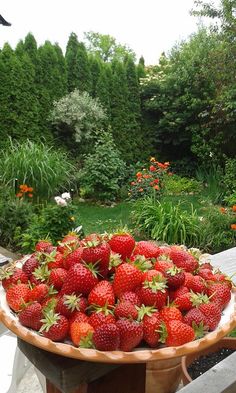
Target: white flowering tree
77	116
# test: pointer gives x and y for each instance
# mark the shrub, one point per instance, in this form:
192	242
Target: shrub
176	185
53	222
230	200
167	222
149	181
103	170
216	232
42	167
230	175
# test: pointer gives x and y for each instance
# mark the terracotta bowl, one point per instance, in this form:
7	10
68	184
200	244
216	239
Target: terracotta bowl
187	360
139	355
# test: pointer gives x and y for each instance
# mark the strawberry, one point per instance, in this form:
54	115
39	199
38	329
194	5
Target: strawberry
97	251
102	294
81	333
107	337
57	277
183	259
178	333
68	304
73	257
127	278
131	297
126	310
131	334
183	302
54	259
147	248
79	317
163	263
80	279
100	317
212	313
11	276
39	293
31	316
17	295
43	246
154	293
148	276
115	261
151	326
30	265
175	277
170	313
122	243
196	283
178	292
55	326
195	316
219	291
207	274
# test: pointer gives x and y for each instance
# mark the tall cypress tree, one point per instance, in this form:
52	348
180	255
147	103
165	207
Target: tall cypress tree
103	90
71	62
141	68
95	66
83	70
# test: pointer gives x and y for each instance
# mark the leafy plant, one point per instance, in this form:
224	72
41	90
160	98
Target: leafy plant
231	199
166	222
212	178
103	170
175	185
44	168
230	175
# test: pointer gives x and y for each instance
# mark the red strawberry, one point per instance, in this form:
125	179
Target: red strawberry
197	284
178	292
68	304
55	326
126	310
127	278
183	302
183	259
207	274
17	295
212	313
102	294
97	252
154	293
79	317
31	316
69	242
162	264
101	317
130	297
148	276
147	248
11	276
73	257
151	327
107	337
81	334
196	316
123	244
221	292
54	259
30	265
43	246
170	313
178	333
80	279
39	293
57	277
175	277
131	334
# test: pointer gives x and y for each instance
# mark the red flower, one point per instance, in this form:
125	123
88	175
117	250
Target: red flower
152	168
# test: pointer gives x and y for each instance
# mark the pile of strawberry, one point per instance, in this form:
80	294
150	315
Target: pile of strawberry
111	293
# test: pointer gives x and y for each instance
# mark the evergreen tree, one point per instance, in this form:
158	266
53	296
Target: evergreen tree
95	70
103	91
83	71
141	68
71	62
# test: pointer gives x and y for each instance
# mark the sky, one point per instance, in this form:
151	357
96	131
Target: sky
149	27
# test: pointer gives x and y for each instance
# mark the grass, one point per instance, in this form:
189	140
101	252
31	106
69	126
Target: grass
96	218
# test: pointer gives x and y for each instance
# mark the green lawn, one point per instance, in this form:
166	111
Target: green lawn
96	218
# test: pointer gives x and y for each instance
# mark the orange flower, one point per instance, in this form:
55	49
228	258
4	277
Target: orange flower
156	181
152	168
133	183
234	208
19	195
30	189
30	195
139	174
233	226
162	166
223	210
141	190
23	187
156	187
146	176
167	163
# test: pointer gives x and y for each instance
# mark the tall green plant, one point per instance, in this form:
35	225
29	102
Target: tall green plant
167	222
42	167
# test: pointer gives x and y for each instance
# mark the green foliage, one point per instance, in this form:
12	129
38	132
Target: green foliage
83	69
52	222
103	169
230	175
166	222
71	62
215	228
212	177
176	185
77	116
14	214
37	165
106	48
230	200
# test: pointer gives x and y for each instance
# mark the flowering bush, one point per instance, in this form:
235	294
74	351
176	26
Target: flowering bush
149	180
25	191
